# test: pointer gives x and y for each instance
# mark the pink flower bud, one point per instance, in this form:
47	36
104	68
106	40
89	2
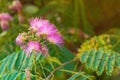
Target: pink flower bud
16	5
20	40
44	50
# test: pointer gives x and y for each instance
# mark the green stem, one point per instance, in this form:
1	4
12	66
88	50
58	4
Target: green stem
42	69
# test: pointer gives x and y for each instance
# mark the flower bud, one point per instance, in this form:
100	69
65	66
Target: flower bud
44	50
20	40
16	5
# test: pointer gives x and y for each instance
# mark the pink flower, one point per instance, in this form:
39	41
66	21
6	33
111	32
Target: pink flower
36	23
5	17
55	38
44	27
47	30
32	46
20	40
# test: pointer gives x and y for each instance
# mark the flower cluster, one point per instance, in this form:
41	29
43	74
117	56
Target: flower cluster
41	31
4	20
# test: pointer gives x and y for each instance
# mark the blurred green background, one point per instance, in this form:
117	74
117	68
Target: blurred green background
76	19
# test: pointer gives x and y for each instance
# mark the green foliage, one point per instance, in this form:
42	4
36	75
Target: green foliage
16	63
13	66
97	54
14	75
99	60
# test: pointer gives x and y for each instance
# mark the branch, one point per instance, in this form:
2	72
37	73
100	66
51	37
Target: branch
59	68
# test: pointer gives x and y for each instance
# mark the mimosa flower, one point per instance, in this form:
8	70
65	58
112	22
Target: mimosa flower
44	27
36	23
5	17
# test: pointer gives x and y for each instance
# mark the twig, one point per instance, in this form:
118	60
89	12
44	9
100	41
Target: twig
59	68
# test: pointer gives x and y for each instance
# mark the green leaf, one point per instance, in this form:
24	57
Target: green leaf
97	59
73	77
110	64
117	59
4	64
22	76
90	59
85	56
19	60
12	61
102	63
14	75
4	77
26	62
83	78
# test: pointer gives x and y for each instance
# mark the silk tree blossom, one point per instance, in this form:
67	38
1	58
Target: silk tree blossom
37	23
32	46
5	17
44	27
4	20
47	30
